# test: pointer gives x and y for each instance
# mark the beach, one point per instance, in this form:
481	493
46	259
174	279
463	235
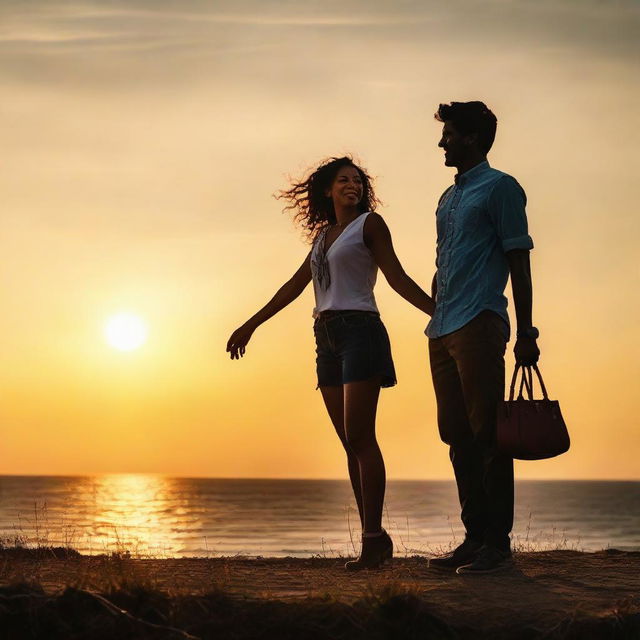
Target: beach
51	593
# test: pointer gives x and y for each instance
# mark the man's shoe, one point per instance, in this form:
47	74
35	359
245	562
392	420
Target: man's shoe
489	560
463	554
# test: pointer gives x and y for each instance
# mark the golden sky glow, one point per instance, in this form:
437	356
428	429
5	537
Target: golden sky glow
142	142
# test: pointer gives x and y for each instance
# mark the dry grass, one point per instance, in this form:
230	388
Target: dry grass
53	592
118	596
135	612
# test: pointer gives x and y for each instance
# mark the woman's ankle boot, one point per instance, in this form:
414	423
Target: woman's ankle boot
375	551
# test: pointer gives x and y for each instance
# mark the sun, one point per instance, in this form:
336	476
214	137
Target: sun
125	331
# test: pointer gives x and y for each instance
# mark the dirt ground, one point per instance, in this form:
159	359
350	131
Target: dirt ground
543	591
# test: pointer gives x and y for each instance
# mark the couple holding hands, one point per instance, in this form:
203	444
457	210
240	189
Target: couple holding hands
482	239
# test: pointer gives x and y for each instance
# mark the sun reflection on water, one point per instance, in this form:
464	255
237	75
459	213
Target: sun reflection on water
135	514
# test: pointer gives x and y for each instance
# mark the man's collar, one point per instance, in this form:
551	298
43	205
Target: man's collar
463	178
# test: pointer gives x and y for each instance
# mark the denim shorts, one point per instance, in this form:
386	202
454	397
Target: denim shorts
352	346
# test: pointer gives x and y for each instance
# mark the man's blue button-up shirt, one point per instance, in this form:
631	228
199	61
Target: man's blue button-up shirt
479	219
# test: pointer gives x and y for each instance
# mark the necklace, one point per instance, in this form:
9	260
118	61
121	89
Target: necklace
320	266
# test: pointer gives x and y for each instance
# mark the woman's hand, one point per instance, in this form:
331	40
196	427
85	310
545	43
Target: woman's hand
237	343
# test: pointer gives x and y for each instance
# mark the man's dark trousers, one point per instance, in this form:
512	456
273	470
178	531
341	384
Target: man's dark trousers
467	367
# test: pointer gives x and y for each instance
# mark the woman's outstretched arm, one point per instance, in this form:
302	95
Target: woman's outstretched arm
378	238
286	294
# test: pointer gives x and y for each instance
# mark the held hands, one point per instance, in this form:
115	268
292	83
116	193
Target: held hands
526	351
237	343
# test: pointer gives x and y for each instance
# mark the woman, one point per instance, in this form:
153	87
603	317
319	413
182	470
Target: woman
349	242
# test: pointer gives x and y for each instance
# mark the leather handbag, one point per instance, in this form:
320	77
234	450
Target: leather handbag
530	429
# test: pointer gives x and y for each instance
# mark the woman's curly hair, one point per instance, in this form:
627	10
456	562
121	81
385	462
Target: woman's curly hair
312	208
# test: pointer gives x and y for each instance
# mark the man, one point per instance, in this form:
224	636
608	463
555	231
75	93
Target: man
482	239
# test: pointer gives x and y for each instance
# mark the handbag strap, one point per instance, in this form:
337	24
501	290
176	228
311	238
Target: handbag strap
526	382
544	389
514	379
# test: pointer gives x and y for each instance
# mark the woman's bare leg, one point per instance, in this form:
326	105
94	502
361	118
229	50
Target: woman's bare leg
360	405
334	401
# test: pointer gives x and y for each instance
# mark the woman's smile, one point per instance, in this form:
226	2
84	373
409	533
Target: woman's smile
347	186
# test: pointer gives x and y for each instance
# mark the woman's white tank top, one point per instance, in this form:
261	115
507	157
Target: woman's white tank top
344	276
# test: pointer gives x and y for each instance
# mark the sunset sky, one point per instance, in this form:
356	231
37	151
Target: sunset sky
142	142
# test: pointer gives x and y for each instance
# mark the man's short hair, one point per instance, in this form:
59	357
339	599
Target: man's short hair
471	117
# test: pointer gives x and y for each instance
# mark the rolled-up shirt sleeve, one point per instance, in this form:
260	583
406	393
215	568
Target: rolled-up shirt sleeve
506	204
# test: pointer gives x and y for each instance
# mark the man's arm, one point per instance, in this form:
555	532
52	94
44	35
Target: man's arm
526	348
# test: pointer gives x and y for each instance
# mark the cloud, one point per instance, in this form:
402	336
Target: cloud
108	46
92	24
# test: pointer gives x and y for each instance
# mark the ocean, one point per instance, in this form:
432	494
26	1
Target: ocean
157	516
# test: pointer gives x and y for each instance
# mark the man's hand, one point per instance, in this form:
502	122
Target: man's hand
526	351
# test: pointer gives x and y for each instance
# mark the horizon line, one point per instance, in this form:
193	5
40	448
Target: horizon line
292	479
